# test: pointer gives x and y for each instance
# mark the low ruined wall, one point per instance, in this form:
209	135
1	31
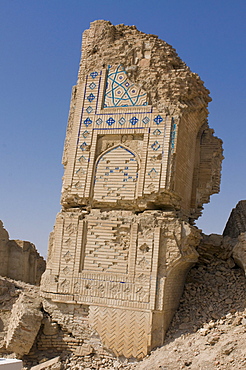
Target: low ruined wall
20	259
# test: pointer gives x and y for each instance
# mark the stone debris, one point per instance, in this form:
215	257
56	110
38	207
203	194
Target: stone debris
50	364
10	291
207	331
24	323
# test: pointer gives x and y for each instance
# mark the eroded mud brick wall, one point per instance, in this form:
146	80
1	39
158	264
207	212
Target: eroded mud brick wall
20	259
140	160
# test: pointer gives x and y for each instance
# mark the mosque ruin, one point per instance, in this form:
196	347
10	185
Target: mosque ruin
140	161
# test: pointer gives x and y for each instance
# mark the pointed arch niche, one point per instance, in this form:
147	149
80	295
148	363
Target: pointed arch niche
116	175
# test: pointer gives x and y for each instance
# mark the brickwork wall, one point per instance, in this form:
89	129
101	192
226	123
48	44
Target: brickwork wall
135	176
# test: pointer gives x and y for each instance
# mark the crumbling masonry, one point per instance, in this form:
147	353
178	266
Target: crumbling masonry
140	161
19	259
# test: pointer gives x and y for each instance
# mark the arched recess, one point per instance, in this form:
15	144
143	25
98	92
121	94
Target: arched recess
116	175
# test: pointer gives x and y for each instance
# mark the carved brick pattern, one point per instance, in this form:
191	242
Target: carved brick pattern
104	249
144	253
116	175
125	332
68	247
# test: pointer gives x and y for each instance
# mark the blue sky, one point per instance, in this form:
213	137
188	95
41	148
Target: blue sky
40	44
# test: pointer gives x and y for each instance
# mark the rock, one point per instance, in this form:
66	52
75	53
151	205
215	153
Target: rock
213	339
243	321
24	323
49	328
228	301
228	348
116	365
48	364
184	326
203	331
84	350
237	321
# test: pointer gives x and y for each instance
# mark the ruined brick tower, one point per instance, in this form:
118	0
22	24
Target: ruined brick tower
140	160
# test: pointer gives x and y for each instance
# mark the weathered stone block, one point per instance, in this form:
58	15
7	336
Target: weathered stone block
24	324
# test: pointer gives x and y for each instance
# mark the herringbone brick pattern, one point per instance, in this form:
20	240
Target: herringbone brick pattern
124	331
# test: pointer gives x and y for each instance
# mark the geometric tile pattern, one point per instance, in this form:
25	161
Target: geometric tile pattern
145	120
113	182
158	119
91	97
120	92
155	146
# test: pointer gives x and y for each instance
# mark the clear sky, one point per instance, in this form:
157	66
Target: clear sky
40	44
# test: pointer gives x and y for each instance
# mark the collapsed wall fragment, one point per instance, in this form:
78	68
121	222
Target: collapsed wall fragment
140	161
19	259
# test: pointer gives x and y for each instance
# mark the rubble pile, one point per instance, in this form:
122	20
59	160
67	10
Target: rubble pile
208	330
19	315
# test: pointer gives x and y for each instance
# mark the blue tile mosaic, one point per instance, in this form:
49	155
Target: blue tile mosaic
91	97
157	132
173	134
83	146
78	185
89	110
134	120
92	86
94	74
153	173
82	159
110	121
155	146
87	122
145	120
85	134
99	121
158	119
122	121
